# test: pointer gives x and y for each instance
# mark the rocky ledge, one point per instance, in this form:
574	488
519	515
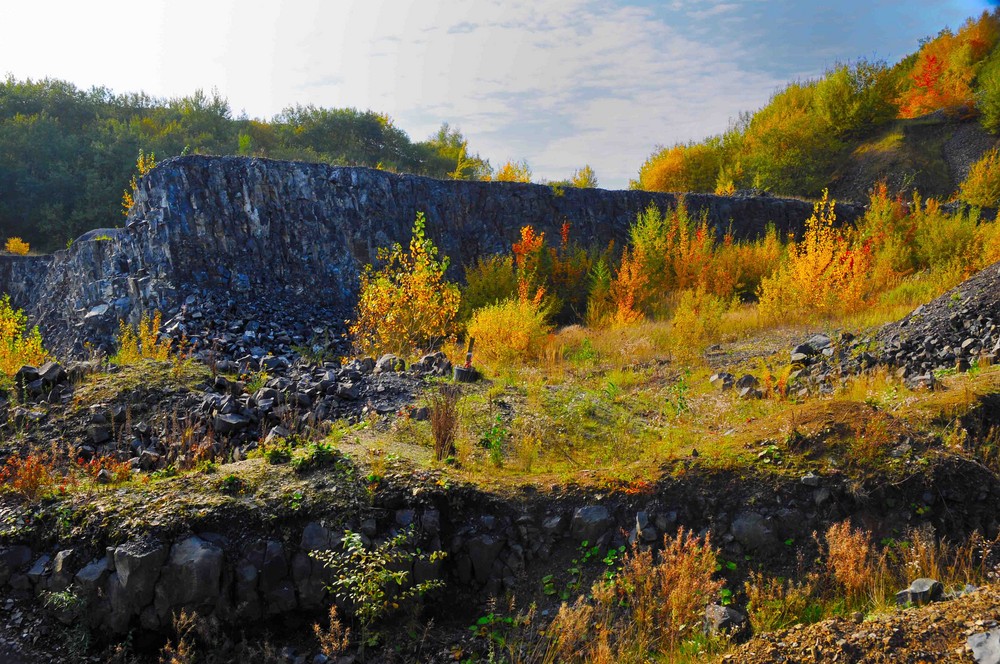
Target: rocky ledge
274	248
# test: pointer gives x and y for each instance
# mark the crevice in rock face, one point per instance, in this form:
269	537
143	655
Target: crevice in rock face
246	237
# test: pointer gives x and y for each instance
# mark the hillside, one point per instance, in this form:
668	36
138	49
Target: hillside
199	462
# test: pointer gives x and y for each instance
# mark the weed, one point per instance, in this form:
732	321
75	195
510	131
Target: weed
444	421
376	581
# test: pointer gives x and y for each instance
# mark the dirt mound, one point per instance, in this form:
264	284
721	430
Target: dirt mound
939	632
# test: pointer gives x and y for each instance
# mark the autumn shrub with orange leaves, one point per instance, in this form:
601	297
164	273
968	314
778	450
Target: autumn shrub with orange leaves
944	70
406	305
16	246
32	476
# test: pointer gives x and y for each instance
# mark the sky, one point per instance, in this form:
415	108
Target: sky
559	83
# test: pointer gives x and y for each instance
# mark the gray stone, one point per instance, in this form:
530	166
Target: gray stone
985	647
810	479
38	571
722	381
590	522
231	423
192	575
389	363
92	576
137	565
921	591
13	558
483	550
724	620
752	532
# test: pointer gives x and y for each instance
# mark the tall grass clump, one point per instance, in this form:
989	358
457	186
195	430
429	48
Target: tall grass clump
444	421
652	609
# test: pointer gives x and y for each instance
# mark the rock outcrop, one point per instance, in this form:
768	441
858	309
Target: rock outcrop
237	238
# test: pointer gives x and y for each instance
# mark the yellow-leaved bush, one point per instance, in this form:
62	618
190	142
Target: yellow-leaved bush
823	274
142	342
17	246
18	346
407	305
509	331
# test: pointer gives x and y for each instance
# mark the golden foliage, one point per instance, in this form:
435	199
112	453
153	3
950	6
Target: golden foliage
17	246
17	347
142	342
824	273
407	304
510	331
982	186
514	171
143	165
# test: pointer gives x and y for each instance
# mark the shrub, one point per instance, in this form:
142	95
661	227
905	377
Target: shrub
118	471
824	273
982	186
489	281
17	348
143	165
696	320
375	581
513	330
407	304
514	171
142	342
17	246
32	476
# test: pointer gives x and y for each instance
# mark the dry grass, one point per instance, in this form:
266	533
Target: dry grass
653	608
444	421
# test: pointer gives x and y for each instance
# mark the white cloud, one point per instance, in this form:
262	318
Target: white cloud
558	82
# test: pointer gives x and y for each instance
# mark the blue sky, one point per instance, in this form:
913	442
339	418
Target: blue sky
560	83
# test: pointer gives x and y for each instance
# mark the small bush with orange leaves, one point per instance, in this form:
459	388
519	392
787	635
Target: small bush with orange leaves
142	342
654	605
16	246
32	476
18	346
118	472
407	305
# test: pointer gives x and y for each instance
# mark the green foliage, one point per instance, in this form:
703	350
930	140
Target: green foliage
375	582
488	281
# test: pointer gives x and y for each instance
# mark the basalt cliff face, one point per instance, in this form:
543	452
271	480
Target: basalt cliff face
239	239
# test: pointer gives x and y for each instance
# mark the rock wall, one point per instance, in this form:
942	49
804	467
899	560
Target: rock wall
253	237
493	545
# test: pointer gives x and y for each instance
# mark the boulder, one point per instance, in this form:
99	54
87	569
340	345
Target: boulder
590	522
921	591
137	565
985	647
